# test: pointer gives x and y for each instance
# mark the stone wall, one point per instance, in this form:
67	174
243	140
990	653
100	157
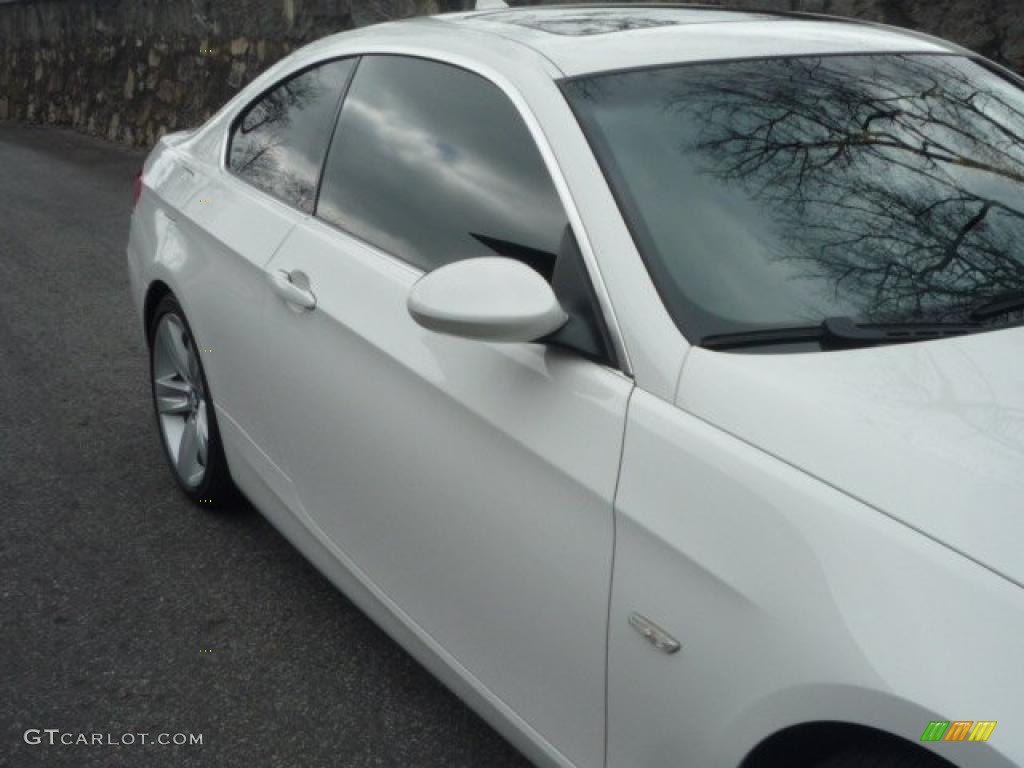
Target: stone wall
131	70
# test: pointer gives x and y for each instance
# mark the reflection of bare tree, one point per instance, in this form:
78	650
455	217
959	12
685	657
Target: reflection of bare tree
259	149
250	158
592	21
897	179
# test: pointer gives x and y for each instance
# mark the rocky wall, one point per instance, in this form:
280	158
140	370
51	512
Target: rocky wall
131	70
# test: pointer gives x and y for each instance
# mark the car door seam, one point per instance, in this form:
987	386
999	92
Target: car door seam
611	571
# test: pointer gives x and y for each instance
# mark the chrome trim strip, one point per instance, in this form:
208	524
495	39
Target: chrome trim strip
575	221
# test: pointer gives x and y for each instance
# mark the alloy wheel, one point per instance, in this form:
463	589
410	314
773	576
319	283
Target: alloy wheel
181	400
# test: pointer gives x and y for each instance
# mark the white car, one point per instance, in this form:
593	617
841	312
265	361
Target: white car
654	375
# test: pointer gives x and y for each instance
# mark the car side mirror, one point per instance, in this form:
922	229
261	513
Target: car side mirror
488	298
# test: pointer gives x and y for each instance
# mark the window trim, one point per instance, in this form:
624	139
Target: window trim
333	133
241	114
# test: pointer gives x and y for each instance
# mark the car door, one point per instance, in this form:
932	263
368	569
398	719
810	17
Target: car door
236	217
472	483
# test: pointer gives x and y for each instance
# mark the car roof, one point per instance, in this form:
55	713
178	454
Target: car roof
583	39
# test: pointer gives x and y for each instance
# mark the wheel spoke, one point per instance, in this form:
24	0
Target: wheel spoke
172	395
188	453
193	367
180	401
172	337
202	433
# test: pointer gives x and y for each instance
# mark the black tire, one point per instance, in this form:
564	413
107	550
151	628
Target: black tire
884	755
216	488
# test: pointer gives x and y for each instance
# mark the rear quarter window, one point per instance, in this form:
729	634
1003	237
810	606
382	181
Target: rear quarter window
278	142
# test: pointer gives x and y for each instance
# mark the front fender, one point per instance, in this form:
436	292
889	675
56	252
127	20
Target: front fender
849	704
793	602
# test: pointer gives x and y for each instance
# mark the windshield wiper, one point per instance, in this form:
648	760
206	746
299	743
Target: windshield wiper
1001	305
839	333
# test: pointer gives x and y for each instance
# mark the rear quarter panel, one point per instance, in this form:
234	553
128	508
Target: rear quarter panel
165	188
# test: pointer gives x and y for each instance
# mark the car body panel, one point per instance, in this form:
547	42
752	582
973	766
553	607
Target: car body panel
472	482
231	231
793	602
930	433
332	561
649	37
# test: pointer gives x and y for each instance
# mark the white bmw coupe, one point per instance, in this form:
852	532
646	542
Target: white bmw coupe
654	375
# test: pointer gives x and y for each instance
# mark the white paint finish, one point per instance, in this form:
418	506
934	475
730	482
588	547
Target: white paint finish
931	433
488	298
793	602
330	560
265	484
719	36
472	482
230	232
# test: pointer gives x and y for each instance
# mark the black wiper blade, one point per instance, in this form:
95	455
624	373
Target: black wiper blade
1001	305
843	329
839	333
763	338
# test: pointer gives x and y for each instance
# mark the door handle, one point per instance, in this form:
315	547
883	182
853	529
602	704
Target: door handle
293	287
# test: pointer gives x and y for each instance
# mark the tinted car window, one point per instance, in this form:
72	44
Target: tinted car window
775	193
278	144
433	164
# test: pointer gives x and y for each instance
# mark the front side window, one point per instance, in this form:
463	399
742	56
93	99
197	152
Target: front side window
873	190
279	142
433	164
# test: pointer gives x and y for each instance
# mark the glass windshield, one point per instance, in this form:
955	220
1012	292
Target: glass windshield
779	192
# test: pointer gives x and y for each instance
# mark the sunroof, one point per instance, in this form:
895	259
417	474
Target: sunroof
603	21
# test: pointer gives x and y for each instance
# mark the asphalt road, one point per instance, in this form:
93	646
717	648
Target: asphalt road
124	609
